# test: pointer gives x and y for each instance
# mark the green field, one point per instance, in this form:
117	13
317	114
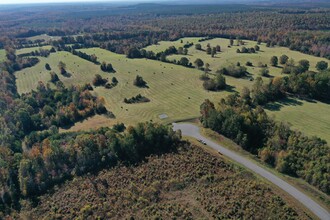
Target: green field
30	49
2	55
163	45
311	118
174	90
229	55
44	37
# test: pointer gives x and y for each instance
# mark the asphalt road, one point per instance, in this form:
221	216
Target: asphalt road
193	131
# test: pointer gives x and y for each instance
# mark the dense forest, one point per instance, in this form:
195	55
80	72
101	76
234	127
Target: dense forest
302	29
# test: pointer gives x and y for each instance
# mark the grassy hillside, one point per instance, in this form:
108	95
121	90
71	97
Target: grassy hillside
163	45
30	49
174	90
82	71
229	55
190	184
2	55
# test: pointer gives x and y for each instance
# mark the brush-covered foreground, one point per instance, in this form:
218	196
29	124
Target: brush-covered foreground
189	184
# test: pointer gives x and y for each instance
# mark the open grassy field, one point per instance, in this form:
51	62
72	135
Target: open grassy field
174	90
82	71
30	49
229	55
163	45
312	118
44	37
2	55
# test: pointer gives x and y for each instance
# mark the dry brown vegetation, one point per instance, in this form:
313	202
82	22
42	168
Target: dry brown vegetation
188	184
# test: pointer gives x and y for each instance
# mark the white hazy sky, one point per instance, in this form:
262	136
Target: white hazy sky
47	1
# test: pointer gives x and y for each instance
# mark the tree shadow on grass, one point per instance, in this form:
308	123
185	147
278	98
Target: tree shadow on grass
276	106
230	88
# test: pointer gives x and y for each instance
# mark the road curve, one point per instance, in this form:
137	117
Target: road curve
193	131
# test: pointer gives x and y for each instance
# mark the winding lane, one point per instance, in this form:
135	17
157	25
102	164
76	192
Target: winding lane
193	131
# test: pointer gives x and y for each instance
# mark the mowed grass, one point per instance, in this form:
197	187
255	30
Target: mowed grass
82	71
230	56
163	45
311	118
30	49
44	37
2	55
173	90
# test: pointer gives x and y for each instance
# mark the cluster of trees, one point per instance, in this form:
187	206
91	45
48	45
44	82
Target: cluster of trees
248	50
136	99
139	82
236	71
41	52
99	81
92	58
289	151
107	67
14	63
216	84
62	156
306	85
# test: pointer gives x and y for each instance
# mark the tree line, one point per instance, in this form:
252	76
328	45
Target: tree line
289	151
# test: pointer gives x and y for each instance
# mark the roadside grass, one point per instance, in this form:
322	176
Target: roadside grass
231	146
317	195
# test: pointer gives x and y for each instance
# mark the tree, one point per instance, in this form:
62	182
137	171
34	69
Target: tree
54	77
264	72
257	48
220	81
185	51
231	42
199	63
214	52
209	50
184	61
322	65
198	46
139	82
274	61
207	68
303	66
98	80
47	67
62	67
180	50
134	53
114	80
284	59
218	48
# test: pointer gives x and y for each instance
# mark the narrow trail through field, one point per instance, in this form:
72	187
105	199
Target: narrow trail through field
193	131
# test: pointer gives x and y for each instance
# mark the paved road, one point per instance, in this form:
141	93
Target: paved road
193	131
